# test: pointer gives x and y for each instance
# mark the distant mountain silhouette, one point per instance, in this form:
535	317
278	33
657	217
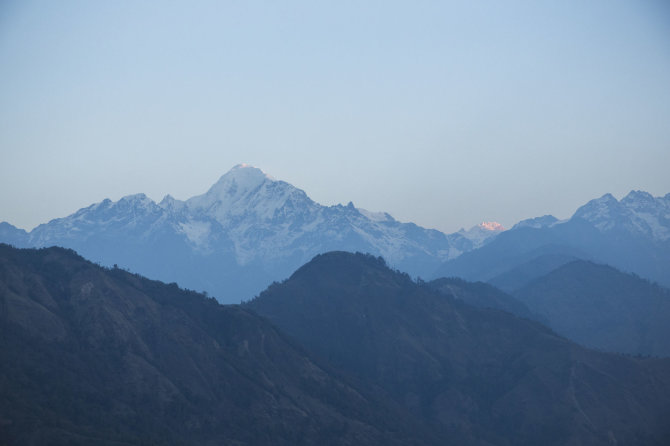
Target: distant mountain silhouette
478	376
601	307
96	356
519	276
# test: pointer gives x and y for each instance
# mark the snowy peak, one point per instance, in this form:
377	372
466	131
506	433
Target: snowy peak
638	212
642	201
171	204
235	184
491	226
242	176
136	201
482	233
375	216
247	192
602	212
637	196
130	205
538	222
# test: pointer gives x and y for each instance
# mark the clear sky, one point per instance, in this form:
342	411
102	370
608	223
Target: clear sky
442	113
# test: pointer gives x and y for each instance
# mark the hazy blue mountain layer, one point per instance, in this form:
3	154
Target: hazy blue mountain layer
601	307
632	234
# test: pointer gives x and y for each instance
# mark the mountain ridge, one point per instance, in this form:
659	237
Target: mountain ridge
244	232
249	229
631	234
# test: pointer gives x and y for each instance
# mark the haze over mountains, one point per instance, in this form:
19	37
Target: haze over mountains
601	307
249	230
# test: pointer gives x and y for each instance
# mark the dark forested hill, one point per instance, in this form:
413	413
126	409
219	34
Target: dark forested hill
96	356
601	307
478	376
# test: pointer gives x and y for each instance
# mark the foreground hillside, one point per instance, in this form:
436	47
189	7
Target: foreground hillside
478	376
96	356
90	355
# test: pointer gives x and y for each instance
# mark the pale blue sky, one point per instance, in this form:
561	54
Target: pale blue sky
441	113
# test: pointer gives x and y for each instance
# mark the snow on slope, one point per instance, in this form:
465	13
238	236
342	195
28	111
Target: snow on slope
637	213
482	233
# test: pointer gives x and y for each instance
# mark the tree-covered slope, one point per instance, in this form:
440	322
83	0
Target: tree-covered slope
96	356
478	376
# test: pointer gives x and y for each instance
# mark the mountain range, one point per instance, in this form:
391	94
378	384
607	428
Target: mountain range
245	232
249	230
632	235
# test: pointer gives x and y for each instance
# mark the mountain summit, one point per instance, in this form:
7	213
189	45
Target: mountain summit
638	213
233	190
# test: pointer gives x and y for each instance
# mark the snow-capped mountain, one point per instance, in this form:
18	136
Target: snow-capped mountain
538	222
637	213
483	232
631	234
246	231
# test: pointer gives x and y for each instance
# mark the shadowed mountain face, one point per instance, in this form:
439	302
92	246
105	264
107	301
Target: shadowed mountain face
601	307
478	376
96	356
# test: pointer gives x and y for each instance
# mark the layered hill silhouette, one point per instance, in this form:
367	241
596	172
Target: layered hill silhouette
476	375
101	356
601	307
